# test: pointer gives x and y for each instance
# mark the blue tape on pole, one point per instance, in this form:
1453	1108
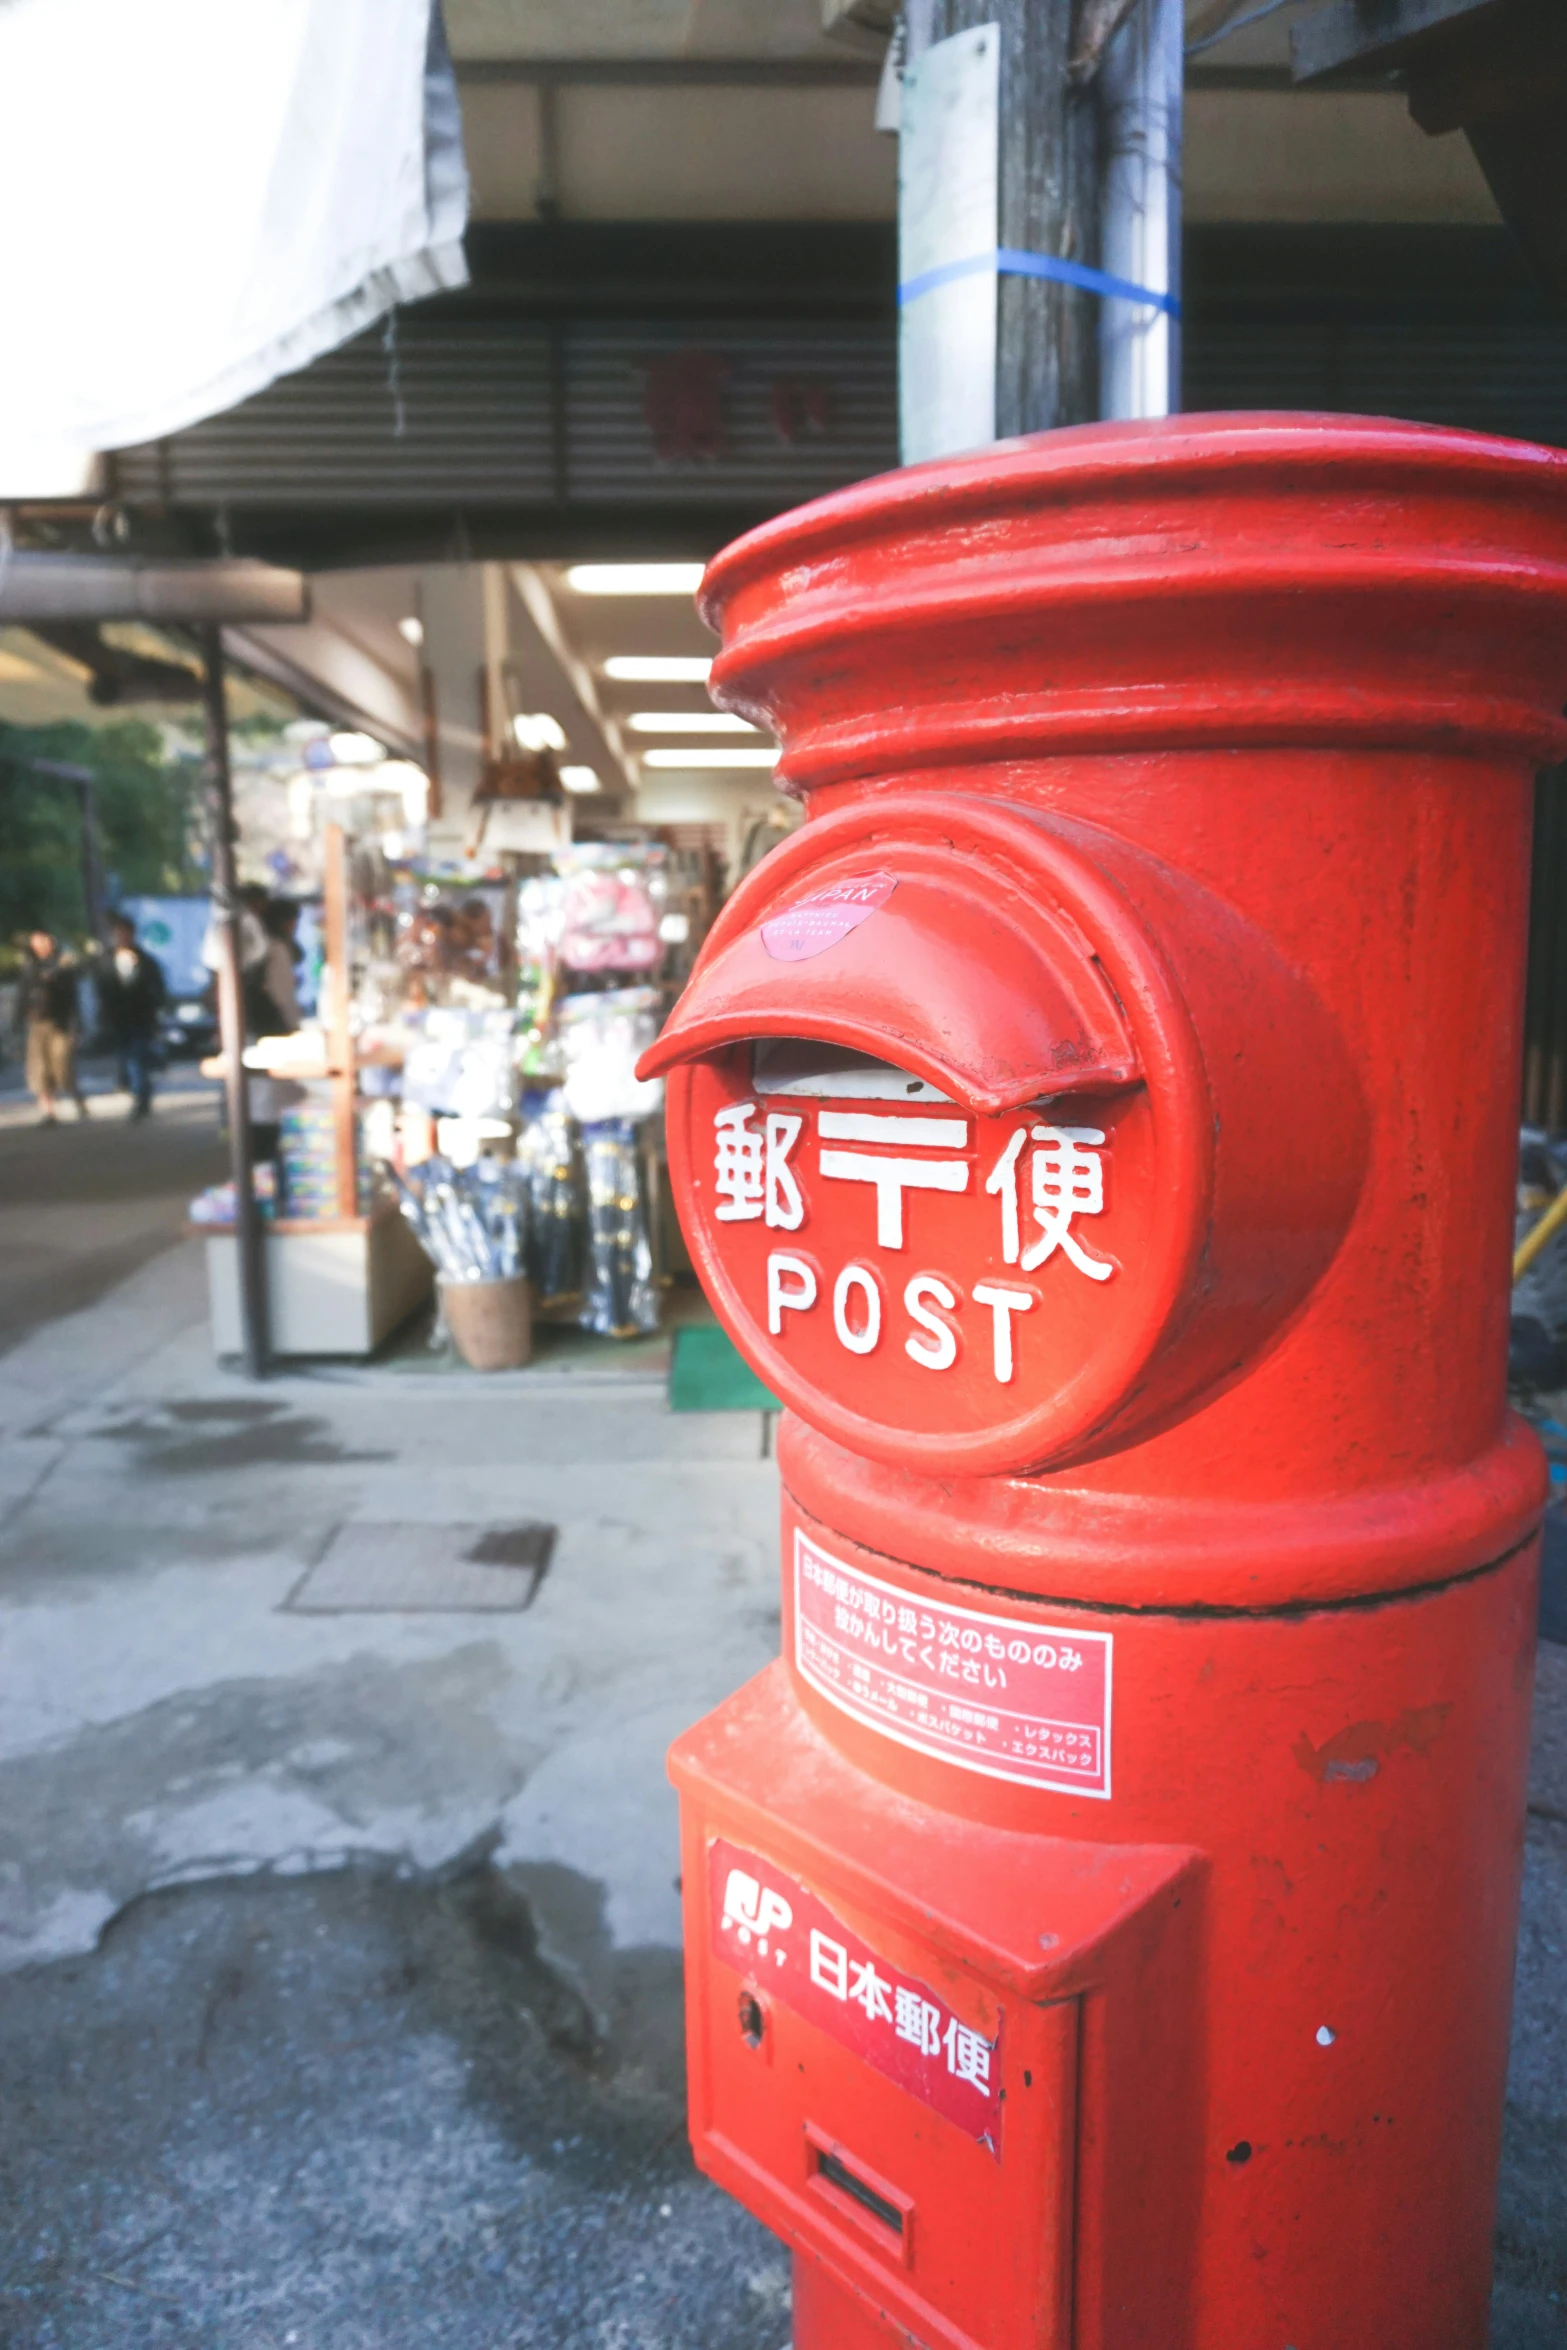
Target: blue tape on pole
1010	261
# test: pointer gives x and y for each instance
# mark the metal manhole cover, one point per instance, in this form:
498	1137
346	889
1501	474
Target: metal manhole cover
404	1569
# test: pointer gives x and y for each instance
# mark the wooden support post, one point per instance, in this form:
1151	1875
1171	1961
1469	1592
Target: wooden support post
340	1041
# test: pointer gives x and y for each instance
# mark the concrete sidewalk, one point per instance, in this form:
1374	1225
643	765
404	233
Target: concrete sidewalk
385	1879
341	1912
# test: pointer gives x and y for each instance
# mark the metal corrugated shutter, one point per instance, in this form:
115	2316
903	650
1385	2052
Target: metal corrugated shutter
457	412
1501	377
803	410
443	412
464	411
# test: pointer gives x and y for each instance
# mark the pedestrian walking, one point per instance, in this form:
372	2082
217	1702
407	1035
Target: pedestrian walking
131	994
48	1016
266	959
280	971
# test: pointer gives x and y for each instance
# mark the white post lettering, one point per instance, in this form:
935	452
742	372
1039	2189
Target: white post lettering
892	1177
1003	1304
1003	1179
779	1267
939	1351
737	1164
785	1207
858	1342
1068	1181
900	1132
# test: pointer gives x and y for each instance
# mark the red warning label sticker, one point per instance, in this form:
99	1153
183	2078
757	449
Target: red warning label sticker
995	1694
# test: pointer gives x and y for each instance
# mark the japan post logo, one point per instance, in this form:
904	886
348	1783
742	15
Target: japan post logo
754	1909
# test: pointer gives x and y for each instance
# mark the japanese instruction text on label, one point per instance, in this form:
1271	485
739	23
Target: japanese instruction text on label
994	1694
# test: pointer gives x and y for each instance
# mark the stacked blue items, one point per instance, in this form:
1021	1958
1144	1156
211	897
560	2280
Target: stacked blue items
620	1300
307	1161
307	1157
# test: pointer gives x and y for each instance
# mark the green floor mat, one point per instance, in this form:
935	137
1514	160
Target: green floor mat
706	1375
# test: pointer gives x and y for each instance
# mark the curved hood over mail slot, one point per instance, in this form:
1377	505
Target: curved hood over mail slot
999	1279
930	951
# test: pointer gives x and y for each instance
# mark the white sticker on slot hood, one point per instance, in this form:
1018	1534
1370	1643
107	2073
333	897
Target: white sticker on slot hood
826	916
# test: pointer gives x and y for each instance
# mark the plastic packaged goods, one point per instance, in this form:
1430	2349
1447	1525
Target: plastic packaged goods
541	902
541	918
550	1162
215	1205
461	1061
613	901
449	949
601	1037
620	1300
471	1222
307	1157
307	1161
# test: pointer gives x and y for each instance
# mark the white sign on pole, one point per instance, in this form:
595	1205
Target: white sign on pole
948	209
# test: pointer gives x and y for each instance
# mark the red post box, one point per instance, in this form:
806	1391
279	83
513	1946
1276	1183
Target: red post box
1098	1124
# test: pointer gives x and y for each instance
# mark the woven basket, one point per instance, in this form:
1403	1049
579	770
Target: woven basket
491	1322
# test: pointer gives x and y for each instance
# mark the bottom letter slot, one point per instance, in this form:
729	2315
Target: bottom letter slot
860	2195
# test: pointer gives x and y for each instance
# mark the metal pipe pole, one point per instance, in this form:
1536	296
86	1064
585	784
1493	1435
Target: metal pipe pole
1140	85
91	861
248	1236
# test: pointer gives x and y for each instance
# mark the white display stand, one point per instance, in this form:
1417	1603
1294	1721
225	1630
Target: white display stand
334	1287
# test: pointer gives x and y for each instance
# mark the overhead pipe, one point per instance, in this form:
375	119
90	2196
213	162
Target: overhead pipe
45	587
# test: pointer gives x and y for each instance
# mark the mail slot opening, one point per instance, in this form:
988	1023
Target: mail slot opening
858	2194
838	2174
804	1066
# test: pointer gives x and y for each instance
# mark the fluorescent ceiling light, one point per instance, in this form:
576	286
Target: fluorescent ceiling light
741	756
412	783
580	779
658	668
635	579
540	732
688	722
356	750
411	629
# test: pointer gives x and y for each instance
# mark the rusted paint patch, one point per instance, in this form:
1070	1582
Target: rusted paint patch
1358	1752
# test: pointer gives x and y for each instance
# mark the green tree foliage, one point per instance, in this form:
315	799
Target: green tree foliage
148	812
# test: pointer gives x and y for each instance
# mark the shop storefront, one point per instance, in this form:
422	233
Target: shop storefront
459	1122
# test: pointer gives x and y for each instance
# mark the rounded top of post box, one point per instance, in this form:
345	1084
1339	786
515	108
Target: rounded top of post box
1294	577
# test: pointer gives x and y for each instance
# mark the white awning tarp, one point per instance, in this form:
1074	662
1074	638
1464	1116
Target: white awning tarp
202	195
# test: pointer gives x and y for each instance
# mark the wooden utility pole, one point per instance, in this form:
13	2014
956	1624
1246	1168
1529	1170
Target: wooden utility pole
1047	334
1039	217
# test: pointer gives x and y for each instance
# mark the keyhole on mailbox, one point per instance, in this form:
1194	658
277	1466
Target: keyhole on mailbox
753	2021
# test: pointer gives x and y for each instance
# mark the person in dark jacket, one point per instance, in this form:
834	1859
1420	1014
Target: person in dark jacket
131	994
47	1017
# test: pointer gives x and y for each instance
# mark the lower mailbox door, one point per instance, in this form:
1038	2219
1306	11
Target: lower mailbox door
880	2105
